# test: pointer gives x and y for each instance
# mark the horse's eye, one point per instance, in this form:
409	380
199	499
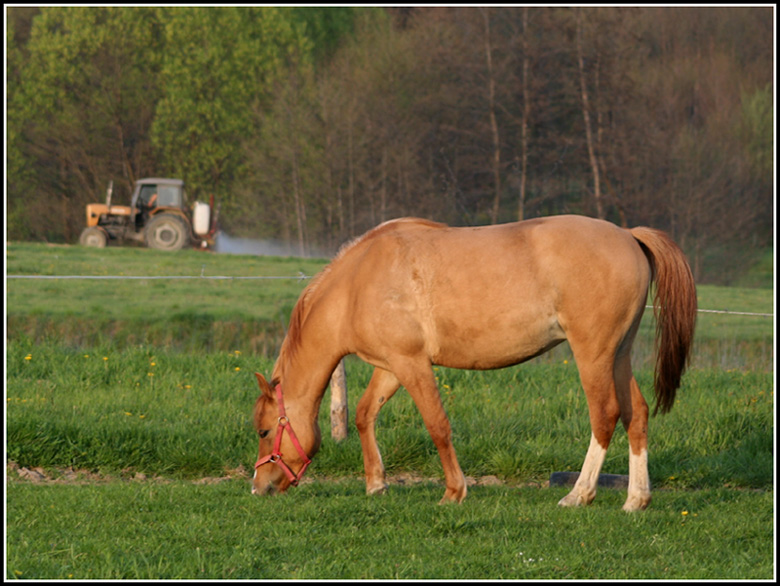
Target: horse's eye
263	433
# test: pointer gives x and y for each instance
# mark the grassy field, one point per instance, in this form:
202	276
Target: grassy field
187	314
128	393
194	315
188	415
178	530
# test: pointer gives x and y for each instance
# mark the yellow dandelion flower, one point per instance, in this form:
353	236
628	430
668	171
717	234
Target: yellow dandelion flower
238	368
684	513
128	413
28	357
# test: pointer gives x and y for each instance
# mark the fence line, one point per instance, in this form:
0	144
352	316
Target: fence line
726	311
299	277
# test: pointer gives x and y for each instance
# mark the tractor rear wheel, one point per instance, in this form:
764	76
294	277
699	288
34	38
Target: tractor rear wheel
167	232
93	236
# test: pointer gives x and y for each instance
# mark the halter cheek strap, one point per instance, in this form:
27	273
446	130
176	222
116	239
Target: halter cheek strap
276	455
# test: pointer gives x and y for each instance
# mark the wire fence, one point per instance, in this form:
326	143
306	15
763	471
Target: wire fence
299	277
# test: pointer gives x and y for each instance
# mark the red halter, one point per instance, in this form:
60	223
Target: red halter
276	455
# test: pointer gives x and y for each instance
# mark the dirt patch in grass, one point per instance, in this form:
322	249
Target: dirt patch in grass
69	475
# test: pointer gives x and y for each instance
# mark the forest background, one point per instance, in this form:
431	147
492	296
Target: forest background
310	124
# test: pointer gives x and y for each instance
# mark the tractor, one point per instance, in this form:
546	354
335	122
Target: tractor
158	216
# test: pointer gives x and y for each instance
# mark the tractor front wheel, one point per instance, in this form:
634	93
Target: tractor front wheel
167	232
93	236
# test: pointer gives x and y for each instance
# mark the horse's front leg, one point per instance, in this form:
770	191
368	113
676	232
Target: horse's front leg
382	386
417	376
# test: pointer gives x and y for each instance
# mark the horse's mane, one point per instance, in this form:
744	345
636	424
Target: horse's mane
292	340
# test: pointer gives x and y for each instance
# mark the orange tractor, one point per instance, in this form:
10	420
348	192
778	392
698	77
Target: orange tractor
158	216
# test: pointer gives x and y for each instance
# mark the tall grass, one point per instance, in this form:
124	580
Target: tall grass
185	415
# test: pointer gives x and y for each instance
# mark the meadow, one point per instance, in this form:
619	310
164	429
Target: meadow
135	396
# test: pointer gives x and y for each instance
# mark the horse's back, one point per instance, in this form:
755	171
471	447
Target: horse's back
491	296
537	253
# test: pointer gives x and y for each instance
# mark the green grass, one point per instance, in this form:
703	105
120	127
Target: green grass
189	315
186	415
155	377
27	258
142	298
322	530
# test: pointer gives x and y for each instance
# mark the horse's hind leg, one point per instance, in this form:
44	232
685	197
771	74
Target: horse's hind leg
633	414
598	382
382	386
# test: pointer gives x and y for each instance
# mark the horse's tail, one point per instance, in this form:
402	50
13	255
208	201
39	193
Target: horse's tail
675	311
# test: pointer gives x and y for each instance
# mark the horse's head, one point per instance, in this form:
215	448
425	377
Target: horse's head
284	452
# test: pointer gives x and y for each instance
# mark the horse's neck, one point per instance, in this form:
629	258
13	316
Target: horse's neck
304	386
305	369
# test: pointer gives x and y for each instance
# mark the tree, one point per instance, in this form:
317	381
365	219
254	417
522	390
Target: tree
594	165
313	124
693	112
79	110
524	139
287	170
220	63
19	172
491	107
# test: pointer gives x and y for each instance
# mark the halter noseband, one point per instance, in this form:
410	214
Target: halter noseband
276	455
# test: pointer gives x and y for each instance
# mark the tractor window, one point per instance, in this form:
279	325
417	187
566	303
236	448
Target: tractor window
169	196
147	191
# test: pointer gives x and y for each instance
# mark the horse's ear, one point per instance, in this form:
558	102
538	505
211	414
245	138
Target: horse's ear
264	386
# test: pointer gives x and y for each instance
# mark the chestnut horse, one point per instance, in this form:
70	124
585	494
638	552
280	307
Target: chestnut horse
412	293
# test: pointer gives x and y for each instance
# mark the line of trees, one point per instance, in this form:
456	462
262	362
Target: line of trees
311	124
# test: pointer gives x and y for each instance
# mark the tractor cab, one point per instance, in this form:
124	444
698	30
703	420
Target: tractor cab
152	195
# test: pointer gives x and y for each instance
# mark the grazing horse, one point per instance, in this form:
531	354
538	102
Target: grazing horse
412	293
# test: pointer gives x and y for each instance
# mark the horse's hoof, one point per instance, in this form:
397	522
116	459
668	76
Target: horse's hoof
453	496
637	503
376	489
569	501
575	500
